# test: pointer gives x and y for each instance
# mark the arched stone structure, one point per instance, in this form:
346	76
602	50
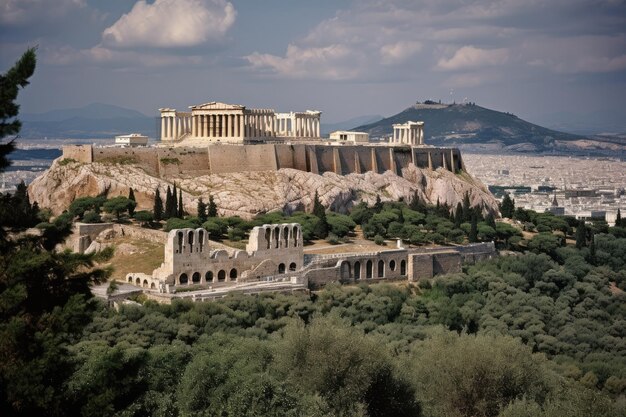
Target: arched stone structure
195	278
368	269
357	270
381	269
233	274
221	276
183	279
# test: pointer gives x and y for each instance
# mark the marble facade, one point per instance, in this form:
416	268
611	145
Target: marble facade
232	123
409	133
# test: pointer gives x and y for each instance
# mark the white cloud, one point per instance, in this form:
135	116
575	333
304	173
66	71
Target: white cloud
470	57
22	12
333	62
171	24
398	52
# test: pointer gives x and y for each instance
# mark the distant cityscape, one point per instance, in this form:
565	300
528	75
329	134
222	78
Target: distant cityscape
577	186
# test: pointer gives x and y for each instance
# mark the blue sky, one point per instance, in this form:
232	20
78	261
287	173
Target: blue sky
534	58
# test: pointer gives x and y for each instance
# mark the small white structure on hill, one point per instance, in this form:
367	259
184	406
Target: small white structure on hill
134	139
347	136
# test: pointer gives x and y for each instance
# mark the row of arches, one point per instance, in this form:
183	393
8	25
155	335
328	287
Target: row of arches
282	267
208	277
357	270
142	283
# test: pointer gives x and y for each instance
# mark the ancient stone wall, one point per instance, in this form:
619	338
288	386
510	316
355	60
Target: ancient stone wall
80	153
217	159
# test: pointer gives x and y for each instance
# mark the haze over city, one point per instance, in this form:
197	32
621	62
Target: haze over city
550	62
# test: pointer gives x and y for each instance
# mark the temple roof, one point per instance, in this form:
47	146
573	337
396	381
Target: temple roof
216	105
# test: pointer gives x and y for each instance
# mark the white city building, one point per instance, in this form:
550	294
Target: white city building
347	136
134	139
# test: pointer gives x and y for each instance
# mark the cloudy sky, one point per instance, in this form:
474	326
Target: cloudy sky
345	57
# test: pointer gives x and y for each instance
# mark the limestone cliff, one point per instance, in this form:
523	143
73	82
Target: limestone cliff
249	193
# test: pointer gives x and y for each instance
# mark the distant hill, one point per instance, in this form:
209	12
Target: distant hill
95	120
327	128
453	124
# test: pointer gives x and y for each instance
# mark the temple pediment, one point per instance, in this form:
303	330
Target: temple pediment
216	105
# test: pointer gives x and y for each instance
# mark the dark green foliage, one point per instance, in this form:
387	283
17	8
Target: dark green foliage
158	206
10	83
211	208
618	219
131	196
473	233
321	227
176	223
181	209
170	204
144	217
581	234
202	211
507	207
16	211
81	205
118	206
92	217
174	208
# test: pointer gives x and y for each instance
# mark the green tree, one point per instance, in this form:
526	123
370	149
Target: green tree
321	227
43	293
119	205
507	207
212	208
201	209
158	206
169	204
174	212
581	234
144	217
618	219
131	196
473	233
181	208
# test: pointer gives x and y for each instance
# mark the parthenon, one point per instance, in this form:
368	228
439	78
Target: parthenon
232	123
409	133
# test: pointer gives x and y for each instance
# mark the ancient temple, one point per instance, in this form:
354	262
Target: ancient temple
233	123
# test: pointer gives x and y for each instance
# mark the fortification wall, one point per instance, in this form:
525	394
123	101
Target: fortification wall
225	158
80	153
217	159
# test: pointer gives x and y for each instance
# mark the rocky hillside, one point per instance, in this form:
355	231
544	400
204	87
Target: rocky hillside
473	127
249	193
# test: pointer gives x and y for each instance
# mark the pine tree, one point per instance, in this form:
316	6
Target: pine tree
131	196
581	234
507	208
181	208
168	203
202	216
473	234
158	206
212	208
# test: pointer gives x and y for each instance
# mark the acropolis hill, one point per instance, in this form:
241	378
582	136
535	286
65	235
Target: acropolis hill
256	160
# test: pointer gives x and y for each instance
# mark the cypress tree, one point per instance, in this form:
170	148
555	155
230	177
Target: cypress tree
581	234
618	218
158	206
212	208
168	203
458	215
321	227
131	196
507	208
181	209
491	221
467	208
202	216
378	205
174	202
592	250
415	202
473	234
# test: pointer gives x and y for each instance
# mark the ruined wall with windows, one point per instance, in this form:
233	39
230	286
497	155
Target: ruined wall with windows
273	250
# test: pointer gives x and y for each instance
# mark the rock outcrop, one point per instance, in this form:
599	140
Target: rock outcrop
249	193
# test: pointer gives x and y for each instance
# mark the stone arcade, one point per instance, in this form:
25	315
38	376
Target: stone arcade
233	123
274	260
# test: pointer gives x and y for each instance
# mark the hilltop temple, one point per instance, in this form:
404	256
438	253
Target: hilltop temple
233	123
